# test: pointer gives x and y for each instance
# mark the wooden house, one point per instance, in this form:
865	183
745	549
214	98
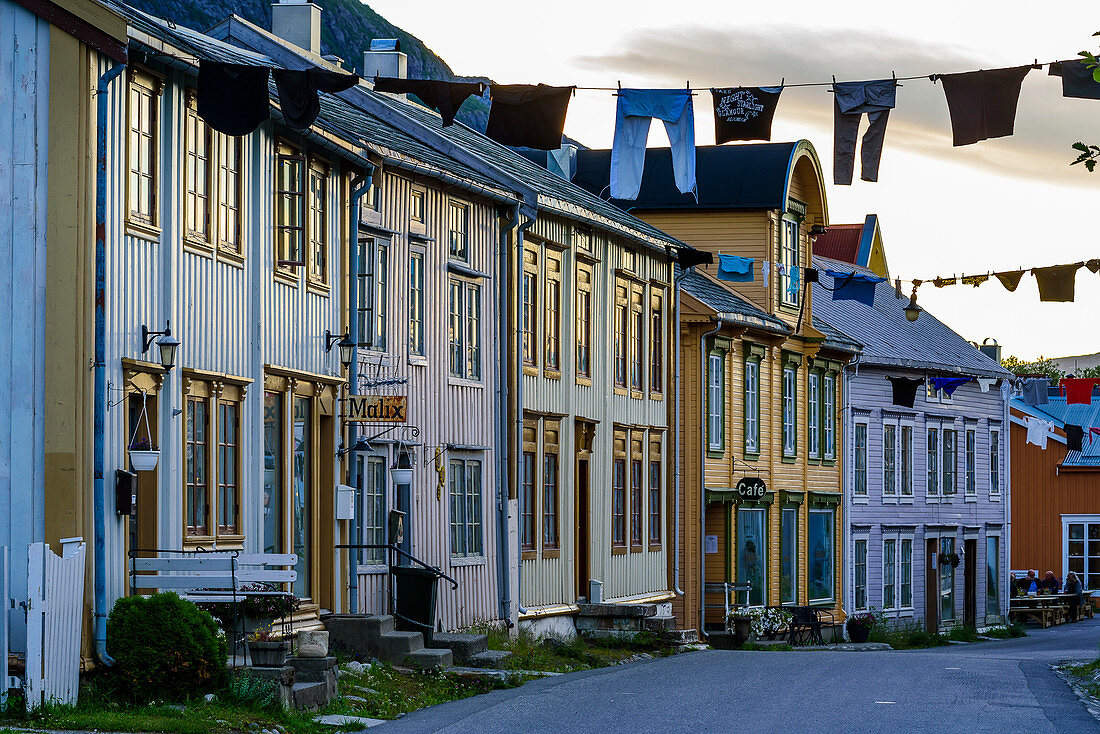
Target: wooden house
759	389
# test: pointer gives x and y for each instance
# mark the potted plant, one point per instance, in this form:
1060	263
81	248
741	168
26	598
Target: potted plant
950	558
258	605
859	626
764	621
265	650
143	455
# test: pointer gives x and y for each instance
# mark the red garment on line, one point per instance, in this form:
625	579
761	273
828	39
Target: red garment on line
1078	390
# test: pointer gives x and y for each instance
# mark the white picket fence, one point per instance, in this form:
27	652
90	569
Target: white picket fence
55	601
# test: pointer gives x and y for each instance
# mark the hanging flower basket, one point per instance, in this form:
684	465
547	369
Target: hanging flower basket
144	460
143	454
950	558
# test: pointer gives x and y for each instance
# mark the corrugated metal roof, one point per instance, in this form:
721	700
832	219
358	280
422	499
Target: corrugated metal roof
746	176
889	338
726	302
840	242
1086	416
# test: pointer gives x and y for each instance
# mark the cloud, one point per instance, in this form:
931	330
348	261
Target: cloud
1046	123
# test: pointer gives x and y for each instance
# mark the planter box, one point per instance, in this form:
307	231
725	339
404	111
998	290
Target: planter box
144	460
268	654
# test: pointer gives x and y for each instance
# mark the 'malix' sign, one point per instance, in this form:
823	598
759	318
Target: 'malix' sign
374	409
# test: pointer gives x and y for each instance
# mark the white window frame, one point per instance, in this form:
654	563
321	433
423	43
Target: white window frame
831	514
790	410
857	586
930	456
813	415
373	312
467	503
716	429
899	537
828	417
995	461
889	469
944	430
859	473
1085	520
752	406
970	462
789	255
417	256
905	460
372	503
465	330
890	571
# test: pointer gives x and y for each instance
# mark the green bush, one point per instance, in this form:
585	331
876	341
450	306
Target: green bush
165	648
248	691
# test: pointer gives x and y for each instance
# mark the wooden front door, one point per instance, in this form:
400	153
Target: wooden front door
143	522
931	585
970	581
582	529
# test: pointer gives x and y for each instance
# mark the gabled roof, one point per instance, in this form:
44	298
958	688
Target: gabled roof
728	305
1086	416
889	339
840	242
751	176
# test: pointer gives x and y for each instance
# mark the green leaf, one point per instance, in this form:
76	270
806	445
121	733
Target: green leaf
1081	147
1090	165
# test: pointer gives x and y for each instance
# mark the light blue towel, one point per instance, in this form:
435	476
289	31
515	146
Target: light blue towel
735	269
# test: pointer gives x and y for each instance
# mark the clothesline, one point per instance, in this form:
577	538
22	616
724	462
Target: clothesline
1092	264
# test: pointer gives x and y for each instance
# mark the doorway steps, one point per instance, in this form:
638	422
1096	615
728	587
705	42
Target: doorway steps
364	637
629	620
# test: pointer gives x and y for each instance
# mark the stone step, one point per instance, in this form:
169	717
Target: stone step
683	637
313	670
379	624
309	696
617	610
430	657
489	659
394	646
464	646
660	624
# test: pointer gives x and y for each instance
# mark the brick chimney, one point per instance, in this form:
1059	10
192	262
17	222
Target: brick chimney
299	22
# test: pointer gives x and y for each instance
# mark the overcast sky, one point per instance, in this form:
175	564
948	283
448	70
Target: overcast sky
997	205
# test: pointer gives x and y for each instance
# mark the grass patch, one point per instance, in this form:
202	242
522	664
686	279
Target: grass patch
560	655
757	647
911	636
388	692
966	633
1007	632
1087	675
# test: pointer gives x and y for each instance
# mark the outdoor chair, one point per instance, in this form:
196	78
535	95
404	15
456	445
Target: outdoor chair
805	625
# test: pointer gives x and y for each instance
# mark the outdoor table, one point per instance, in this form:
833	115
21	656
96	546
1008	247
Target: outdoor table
1046	609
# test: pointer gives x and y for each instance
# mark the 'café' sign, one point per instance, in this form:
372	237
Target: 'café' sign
751	488
375	409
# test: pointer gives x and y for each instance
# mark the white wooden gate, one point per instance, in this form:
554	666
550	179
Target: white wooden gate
55	600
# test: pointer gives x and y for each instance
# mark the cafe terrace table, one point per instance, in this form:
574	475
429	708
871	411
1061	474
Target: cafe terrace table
1047	609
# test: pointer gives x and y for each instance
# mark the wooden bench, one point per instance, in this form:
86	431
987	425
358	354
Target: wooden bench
1045	612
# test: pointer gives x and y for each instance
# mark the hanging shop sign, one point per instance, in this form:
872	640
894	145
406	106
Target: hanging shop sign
375	409
751	488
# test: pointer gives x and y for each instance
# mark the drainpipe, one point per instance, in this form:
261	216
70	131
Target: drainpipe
503	310
676	441
99	408
703	480
851	371
360	185
517	280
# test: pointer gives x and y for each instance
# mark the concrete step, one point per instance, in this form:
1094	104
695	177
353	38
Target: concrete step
430	657
394	646
309	696
379	624
464	646
660	624
683	637
489	659
617	610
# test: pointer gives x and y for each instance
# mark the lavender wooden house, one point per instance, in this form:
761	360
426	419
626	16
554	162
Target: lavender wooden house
927	486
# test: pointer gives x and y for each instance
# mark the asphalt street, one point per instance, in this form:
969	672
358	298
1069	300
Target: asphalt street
982	687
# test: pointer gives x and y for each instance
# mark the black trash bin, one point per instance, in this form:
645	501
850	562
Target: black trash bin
415	593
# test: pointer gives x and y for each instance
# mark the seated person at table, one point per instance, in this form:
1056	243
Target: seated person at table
1030	585
1050	583
1073	586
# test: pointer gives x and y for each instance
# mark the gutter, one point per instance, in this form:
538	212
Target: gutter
676	441
360	185
502	466
99	407
517	279
703	479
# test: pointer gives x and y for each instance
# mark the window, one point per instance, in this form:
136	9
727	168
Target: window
906	451
889	573
752	556
716	439
197	140
971	461
584	322
289	204
789	257
318	223
530	308
622	329
466	508
813	415
373	311
820	544
906	573
859	476
947	578
527	502
655	488
933	462
656	343
637	339
828	418
197	429
416	303
458	231
636	508
993	576
273	472
228	466
934	395
373	483
229	193
301	477
142	142
416	206
752	406
889	460
1082	544
550	484
994	462
465	329
790	429
618	504
553	312
859	580
788	556
950	460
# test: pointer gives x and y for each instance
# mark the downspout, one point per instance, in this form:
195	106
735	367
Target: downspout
847	586
360	185
99	412
517	280
703	478
1006	497
503	574
676	441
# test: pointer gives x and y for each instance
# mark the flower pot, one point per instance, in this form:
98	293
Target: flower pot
859	632
270	654
144	460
